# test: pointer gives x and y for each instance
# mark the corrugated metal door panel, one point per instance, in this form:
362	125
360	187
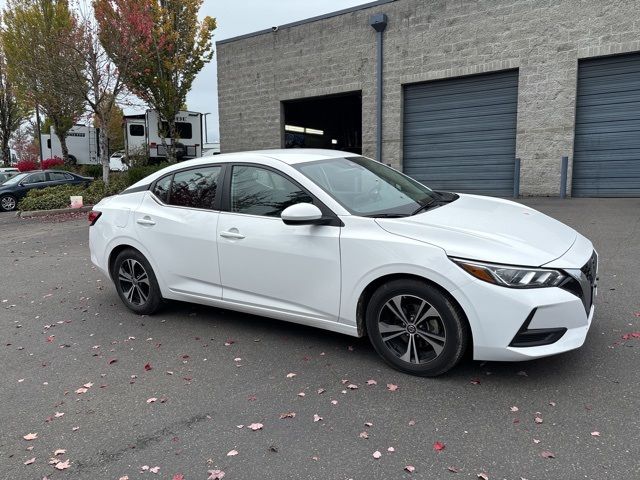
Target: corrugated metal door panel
607	136
460	134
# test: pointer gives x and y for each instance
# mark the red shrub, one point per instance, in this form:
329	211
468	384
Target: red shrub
49	163
27	165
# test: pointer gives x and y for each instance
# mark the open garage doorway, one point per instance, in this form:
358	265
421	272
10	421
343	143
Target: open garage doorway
333	122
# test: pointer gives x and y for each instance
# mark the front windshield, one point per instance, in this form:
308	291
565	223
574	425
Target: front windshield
16	179
368	188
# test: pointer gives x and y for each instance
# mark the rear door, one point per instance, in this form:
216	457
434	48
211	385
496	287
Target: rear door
267	264
177	223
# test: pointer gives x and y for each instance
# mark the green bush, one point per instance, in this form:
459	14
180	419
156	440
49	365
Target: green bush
135	174
50	198
58	197
94	171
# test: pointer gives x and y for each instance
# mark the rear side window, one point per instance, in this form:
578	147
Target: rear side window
195	188
161	188
136	130
57	176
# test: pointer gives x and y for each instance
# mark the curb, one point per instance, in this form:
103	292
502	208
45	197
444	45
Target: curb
56	211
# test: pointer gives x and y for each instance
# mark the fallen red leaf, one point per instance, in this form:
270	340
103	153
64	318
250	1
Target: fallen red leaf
112	361
475	381
147	367
391	387
178	476
377	454
215	475
30	461
453	469
547	454
30	436
629	336
438	446
410	468
255	426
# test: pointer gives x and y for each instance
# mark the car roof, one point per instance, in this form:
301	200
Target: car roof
289	156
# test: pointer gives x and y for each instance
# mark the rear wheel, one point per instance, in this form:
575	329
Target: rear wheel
136	283
8	203
416	328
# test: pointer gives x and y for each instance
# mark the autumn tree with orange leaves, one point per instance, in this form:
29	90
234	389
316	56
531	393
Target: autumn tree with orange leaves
171	48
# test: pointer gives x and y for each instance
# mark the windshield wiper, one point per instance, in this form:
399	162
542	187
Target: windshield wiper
386	215
426	206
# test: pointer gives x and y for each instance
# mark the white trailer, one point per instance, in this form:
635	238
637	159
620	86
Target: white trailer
82	142
142	135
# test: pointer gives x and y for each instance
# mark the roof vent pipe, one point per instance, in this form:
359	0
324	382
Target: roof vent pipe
379	24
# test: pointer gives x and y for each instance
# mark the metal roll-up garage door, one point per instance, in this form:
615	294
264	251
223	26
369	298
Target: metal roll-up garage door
460	134
607	137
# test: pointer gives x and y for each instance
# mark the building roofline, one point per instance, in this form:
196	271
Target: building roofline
308	20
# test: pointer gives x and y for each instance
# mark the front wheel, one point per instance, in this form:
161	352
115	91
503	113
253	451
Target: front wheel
416	328
7	203
136	283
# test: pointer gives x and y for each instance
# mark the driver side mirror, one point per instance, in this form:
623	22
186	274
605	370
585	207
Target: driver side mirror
303	214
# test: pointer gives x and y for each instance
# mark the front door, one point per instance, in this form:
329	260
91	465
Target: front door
265	263
177	222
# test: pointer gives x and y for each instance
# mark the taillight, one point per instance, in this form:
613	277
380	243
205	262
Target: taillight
93	217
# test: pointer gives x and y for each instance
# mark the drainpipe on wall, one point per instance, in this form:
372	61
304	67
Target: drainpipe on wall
379	23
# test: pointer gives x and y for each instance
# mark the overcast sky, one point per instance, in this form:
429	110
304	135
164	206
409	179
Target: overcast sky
237	17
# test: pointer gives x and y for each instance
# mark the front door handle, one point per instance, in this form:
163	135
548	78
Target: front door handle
146	221
233	234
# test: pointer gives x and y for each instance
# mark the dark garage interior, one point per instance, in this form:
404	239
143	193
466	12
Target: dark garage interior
333	122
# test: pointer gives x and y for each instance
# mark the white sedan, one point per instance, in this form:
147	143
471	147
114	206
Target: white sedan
341	242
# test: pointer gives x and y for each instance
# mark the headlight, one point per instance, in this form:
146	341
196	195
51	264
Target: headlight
514	277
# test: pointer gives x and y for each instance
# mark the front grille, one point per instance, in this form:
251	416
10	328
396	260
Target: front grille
582	282
590	268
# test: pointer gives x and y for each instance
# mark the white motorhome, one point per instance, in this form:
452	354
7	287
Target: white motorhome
82	142
142	135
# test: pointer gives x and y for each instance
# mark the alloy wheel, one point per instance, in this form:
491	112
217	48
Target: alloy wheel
412	329
8	203
134	282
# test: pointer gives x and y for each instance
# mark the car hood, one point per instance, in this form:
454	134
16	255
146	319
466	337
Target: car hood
487	229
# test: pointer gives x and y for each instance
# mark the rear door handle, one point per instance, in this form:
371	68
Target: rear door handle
233	234
145	221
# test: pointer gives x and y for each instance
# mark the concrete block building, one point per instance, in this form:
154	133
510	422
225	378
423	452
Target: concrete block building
467	87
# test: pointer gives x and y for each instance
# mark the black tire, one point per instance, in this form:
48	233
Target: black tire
440	333
143	294
8	203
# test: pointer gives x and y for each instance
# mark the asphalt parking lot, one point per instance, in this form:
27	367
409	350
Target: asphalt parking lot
82	372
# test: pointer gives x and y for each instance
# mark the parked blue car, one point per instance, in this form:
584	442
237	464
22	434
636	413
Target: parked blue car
14	189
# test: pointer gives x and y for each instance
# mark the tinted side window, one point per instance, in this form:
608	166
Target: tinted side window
57	176
195	188
136	130
36	178
257	191
161	189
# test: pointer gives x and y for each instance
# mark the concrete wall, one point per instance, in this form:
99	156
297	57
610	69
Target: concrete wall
427	40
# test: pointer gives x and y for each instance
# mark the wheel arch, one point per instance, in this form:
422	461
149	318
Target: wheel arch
116	251
368	291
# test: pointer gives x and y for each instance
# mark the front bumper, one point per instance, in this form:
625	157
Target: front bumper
498	316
